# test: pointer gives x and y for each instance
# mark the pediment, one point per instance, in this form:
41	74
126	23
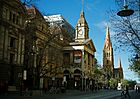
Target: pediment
90	45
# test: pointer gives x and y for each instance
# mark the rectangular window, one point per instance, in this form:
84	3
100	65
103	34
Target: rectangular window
17	20
4	13
12	42
66	58
10	16
89	59
12	58
14	18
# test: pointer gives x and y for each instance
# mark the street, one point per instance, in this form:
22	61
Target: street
76	94
133	95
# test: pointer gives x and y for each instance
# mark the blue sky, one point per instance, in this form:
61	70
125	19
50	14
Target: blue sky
97	18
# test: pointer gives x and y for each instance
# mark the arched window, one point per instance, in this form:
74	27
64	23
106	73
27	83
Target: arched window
107	61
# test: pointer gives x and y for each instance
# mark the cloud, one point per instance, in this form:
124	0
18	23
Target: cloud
102	26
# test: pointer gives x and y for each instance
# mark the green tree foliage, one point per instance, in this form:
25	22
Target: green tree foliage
135	65
130	83
125	82
113	83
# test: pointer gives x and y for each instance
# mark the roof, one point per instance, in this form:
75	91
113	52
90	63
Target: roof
107	40
87	42
80	43
82	19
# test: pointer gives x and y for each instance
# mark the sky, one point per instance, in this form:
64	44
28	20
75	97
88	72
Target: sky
97	18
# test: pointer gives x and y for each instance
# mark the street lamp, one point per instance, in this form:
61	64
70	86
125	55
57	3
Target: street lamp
125	12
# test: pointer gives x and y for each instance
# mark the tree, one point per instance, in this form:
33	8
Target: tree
124	82
135	65
55	32
130	83
113	83
39	39
127	31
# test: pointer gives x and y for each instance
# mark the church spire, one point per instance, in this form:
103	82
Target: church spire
107	40
120	68
119	63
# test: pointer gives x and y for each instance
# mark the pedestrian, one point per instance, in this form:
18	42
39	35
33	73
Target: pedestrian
137	88
127	92
123	92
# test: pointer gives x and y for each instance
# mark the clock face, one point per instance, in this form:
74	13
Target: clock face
80	31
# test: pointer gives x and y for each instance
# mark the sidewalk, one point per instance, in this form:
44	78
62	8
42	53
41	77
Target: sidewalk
54	96
68	94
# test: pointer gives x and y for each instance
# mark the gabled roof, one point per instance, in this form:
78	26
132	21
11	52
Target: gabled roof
90	45
80	43
88	42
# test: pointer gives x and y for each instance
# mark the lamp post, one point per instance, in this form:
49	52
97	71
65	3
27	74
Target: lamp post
125	12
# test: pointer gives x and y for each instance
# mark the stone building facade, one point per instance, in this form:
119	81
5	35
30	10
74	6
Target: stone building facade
12	19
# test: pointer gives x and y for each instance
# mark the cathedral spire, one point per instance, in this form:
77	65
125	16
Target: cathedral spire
107	40
119	63
120	68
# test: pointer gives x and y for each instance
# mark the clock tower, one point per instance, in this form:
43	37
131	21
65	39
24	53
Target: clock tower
81	29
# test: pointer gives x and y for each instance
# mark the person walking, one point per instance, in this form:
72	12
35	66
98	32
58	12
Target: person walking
127	92
123	92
